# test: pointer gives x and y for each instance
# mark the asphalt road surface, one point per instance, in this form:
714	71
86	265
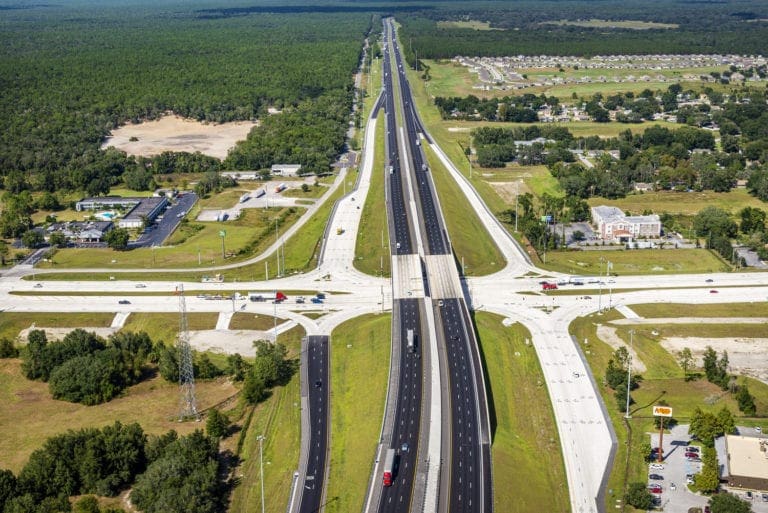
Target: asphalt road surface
317	391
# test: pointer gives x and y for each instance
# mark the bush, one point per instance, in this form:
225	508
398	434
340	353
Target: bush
638	496
7	348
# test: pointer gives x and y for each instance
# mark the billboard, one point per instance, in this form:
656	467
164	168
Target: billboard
662	411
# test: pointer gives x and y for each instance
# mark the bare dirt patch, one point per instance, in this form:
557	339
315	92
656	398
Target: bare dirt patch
174	133
610	337
747	356
508	190
60	333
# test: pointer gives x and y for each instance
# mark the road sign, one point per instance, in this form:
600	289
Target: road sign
222	233
662	411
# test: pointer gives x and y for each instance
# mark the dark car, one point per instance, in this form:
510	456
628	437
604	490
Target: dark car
318	384
656	477
124	302
691	448
709	280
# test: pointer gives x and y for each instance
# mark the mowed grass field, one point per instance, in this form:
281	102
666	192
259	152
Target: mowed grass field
371	257
360	355
528	471
29	415
663	381
682	203
710	310
278	420
11	323
636	261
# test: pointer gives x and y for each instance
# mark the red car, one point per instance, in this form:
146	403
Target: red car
654	488
713	291
691	455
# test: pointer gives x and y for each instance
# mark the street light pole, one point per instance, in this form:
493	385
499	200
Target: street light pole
260	438
517	195
600	288
629	369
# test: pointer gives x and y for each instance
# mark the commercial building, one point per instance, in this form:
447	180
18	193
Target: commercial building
81	232
286	169
613	225
147	209
746	462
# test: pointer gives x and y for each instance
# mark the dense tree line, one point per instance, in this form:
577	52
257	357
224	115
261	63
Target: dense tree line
182	478
710	27
520	109
83	367
69	75
169	474
100	461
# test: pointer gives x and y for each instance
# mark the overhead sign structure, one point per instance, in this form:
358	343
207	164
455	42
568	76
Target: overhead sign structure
662	411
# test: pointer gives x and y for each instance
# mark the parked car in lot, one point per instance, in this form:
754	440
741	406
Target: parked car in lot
655	477
654	488
656	466
765	497
691	448
691	454
749	496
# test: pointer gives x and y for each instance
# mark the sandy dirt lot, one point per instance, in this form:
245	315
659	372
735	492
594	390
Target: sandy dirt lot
60	333
508	190
174	133
609	336
748	356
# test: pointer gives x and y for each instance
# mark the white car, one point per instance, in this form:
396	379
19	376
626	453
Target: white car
141	286
656	466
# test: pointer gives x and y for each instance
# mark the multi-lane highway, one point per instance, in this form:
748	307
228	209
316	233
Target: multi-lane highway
425	274
315	400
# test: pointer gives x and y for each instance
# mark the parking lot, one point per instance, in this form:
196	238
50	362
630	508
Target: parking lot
675	495
165	226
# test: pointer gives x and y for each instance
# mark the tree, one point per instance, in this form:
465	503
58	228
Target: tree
685	359
57	239
746	400
708	479
32	238
117	238
254	389
638	496
728	503
217	424
714	221
7	486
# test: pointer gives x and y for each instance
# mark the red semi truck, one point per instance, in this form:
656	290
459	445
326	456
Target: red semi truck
549	286
389	467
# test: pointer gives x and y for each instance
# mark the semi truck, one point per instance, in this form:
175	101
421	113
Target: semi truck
411	341
276	296
389	467
260	193
280	188
245	197
549	286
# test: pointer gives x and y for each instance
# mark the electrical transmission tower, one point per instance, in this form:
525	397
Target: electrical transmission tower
188	409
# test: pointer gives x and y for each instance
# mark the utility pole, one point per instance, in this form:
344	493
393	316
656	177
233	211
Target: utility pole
600	288
517	195
629	369
260	438
608	268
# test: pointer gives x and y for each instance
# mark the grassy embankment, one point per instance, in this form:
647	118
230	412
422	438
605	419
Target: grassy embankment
663	380
370	256
359	372
469	238
278	419
528	471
